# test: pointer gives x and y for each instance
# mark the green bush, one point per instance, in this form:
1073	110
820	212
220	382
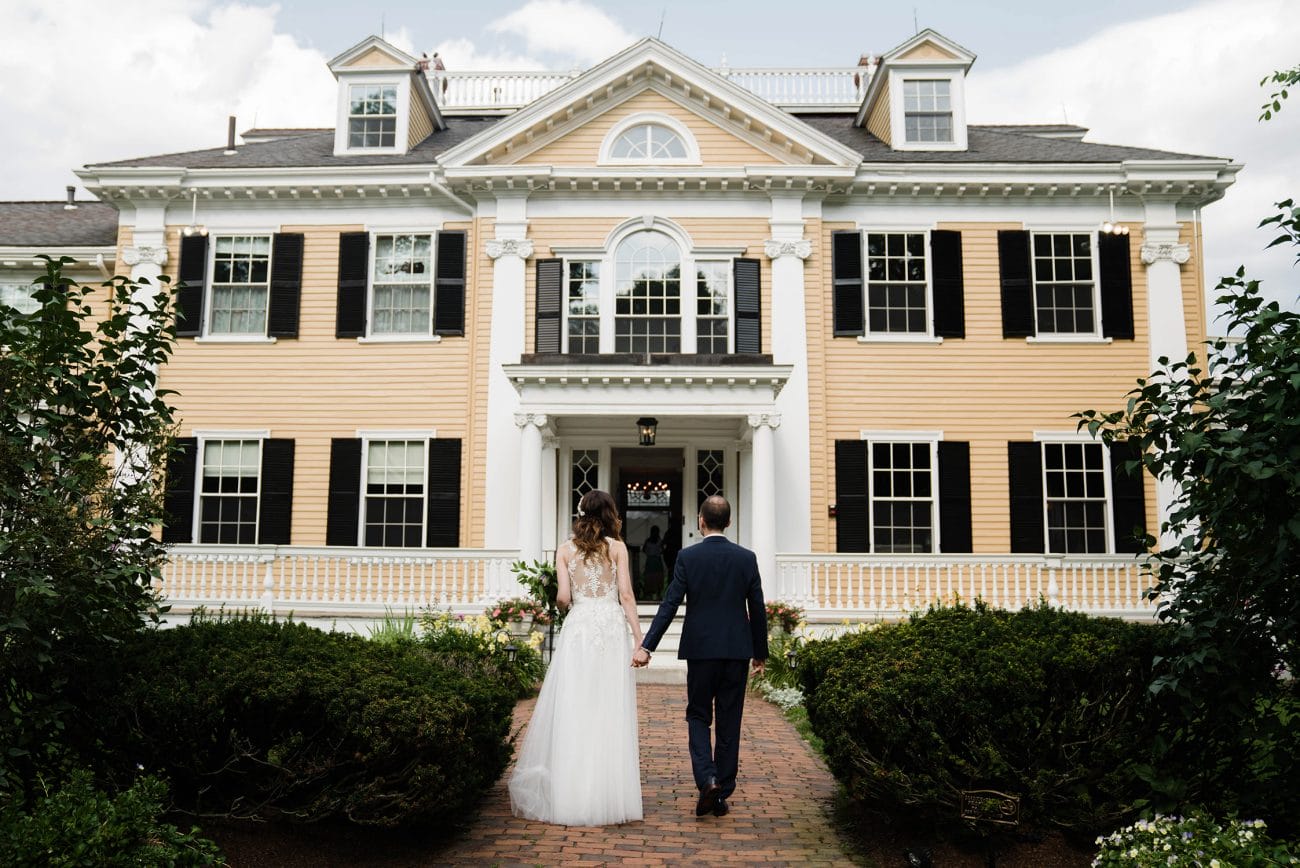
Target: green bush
78	825
257	719
1196	840
480	645
1044	704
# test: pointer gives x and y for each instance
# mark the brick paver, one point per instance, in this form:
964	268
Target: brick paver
780	813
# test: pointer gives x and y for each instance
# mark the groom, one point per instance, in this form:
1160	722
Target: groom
725	628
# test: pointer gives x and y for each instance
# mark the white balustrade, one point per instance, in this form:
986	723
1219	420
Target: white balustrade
888	587
334	581
842	87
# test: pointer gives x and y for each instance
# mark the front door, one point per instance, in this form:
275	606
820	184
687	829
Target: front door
647	484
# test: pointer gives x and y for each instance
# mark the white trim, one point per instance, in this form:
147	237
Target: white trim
868	335
366	439
1050	436
200	453
932	438
899	435
1075	339
400	337
397	433
348	79
1108	508
1095	334
898	338
956	78
691	146
235	339
231	433
210	287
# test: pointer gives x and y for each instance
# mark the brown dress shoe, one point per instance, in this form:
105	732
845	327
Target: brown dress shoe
708	798
721	809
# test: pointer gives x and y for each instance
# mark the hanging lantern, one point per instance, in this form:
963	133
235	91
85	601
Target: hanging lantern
646	426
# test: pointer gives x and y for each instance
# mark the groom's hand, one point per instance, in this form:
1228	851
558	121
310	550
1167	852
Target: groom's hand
640	658
760	666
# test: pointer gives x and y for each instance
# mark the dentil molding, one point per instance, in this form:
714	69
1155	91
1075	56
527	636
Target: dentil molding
776	249
1166	251
521	247
144	255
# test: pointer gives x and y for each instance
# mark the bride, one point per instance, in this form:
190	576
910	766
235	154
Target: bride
580	761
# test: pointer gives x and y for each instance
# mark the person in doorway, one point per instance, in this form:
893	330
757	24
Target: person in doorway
580	762
652	574
725	628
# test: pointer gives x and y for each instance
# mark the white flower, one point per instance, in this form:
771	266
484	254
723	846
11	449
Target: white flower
1214	863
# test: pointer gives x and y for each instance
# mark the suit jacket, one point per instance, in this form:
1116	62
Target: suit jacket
725	615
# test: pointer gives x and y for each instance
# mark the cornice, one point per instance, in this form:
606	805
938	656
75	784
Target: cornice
620	376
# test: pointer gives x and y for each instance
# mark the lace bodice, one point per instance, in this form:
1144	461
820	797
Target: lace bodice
590	579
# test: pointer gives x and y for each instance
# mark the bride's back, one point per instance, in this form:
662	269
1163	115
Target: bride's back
591	576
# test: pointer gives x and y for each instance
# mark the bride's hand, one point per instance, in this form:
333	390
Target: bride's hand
640	658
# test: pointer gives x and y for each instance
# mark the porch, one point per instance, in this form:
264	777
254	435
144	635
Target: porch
356	587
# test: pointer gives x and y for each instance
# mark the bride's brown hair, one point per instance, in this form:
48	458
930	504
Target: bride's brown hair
597	519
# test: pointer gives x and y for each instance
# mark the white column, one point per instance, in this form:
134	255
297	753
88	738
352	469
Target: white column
745	492
509	252
146	257
789	316
529	488
1164	257
763	507
550	492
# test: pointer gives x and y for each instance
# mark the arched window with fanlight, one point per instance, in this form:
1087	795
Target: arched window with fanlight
648	142
648	294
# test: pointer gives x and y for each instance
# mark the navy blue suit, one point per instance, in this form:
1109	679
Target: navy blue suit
725	627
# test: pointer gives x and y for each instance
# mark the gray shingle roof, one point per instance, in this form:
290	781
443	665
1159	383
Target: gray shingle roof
49	224
987	144
312	148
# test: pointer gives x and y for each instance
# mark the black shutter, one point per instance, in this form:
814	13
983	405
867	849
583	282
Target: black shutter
286	285
949	291
846	283
444	493
1116	286
275	510
345	493
852	497
193	284
178	490
954	498
1017	284
747	276
550	301
449	285
1025	466
1129	509
354	273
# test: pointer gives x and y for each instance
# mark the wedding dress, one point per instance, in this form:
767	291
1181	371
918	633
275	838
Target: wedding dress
580	761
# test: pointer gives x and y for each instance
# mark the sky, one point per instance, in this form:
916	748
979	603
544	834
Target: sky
85	81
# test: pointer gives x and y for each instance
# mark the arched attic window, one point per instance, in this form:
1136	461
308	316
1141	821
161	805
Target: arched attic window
649	139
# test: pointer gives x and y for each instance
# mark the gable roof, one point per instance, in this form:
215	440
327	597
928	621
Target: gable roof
370	46
646	64
950	55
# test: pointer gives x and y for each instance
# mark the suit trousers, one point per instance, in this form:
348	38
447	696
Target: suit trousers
715	694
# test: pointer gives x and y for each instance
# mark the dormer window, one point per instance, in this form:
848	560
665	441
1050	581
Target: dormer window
648	142
927	110
372	116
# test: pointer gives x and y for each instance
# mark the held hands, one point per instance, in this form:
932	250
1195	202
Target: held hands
760	666
640	658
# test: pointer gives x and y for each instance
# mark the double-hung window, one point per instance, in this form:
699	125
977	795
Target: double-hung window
713	307
19	295
647	294
372	116
1065	300
228	497
897	287
1074	483
241	280
927	110
395	477
582	287
902	497
402	297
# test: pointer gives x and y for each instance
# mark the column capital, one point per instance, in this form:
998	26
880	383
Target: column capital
1153	252
525	419
758	420
775	249
521	247
144	255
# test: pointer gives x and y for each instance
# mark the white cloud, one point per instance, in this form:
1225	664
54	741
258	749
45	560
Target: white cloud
464	54
88	81
565	28
1185	82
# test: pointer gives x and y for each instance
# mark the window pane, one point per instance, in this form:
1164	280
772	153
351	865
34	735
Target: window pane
896	282
902	505
647	303
394	500
1063	283
648	142
1076	498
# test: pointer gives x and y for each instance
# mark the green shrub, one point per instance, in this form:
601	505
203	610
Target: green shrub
480	645
1044	704
1196	840
78	825
258	719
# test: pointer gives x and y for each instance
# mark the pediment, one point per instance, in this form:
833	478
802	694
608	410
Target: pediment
929	46
372	53
731	125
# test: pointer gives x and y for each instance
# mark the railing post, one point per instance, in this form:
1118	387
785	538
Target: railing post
267	601
1053	589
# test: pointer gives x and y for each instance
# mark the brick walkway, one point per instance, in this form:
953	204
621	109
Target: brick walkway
779	813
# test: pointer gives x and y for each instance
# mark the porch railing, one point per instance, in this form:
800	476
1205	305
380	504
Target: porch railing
809	89
333	581
891	586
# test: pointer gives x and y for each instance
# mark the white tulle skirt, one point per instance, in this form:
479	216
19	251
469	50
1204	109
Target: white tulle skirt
580	761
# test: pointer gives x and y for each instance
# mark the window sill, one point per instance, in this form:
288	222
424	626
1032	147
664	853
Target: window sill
235	339
400	339
1069	339
899	339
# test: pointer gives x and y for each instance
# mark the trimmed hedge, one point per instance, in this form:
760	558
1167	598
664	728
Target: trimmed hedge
1045	704
252	718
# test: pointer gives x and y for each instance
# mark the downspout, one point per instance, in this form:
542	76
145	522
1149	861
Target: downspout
446	191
